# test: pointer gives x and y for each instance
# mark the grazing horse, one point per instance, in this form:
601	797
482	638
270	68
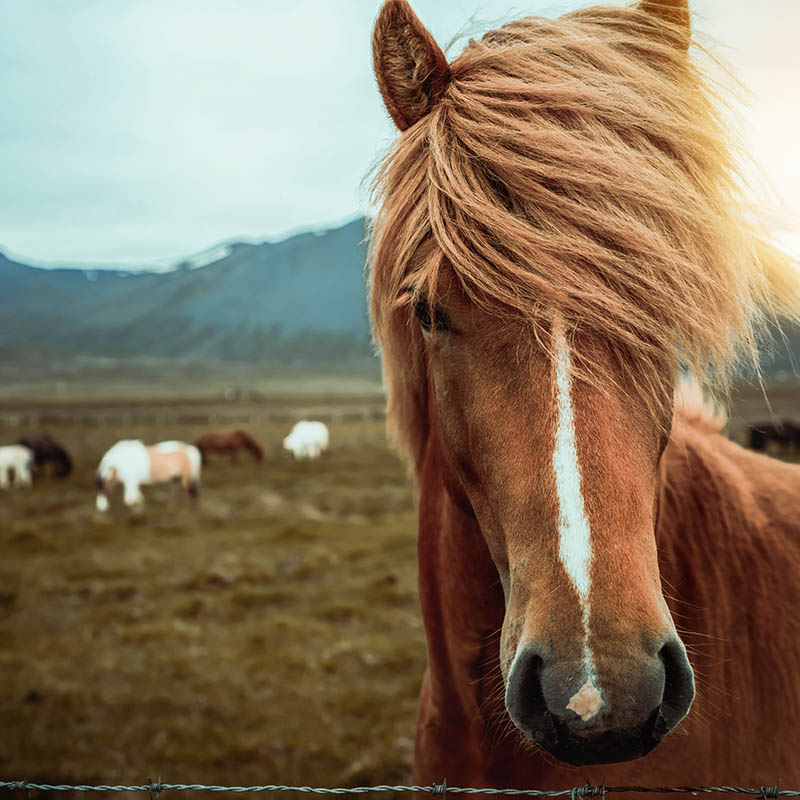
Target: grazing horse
786	434
307	439
16	466
133	464
229	442
603	576
47	450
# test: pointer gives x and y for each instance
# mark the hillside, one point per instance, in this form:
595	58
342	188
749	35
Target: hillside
301	300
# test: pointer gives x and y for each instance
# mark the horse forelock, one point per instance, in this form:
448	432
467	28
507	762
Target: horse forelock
578	167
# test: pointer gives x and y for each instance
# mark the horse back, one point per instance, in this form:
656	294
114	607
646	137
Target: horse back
168	464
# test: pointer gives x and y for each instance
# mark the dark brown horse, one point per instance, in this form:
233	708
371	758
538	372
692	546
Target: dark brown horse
46	450
231	442
786	434
603	575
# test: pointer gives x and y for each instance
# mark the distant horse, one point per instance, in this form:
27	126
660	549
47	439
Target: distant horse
134	464
559	228
47	450
16	466
307	439
229	442
786	434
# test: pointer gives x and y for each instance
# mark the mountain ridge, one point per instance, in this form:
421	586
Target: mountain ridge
301	300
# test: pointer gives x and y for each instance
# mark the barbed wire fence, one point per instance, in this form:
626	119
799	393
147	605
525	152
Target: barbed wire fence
440	790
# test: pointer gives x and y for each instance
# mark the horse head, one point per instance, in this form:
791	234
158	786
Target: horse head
562	477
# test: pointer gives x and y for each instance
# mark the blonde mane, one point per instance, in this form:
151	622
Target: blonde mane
579	166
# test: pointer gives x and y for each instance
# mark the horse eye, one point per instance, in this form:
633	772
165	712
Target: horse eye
430	318
423	312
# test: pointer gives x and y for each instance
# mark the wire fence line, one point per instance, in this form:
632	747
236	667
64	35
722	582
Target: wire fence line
170	415
437	789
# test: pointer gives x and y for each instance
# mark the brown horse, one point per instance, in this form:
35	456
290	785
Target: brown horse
229	442
603	575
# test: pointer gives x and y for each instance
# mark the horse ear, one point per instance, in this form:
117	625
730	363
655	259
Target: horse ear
411	69
673	12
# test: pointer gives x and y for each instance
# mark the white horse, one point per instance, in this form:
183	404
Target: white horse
133	464
307	439
16	466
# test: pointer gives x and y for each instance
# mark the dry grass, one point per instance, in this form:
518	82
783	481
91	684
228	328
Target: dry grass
272	633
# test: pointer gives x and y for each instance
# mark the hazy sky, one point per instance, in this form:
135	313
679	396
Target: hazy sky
136	132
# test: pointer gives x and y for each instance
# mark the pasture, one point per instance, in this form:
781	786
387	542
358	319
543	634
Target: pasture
269	634
272	632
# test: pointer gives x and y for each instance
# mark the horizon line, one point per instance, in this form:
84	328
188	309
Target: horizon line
172	263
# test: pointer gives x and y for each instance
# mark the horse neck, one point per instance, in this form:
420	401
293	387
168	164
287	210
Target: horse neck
729	552
711	517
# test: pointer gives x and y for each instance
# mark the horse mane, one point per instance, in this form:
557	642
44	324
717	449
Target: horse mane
580	166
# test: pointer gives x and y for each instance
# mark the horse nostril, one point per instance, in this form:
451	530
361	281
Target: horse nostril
525	700
678	684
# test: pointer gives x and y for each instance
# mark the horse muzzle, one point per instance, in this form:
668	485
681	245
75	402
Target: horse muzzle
619	715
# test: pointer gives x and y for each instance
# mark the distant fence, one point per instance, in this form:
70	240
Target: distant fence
176	416
436	789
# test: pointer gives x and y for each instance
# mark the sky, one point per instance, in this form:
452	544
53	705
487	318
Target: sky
139	132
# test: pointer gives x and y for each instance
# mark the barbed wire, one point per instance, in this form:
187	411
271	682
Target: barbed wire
436	789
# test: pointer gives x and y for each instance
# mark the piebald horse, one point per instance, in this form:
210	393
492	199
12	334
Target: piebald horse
16	466
133	464
603	576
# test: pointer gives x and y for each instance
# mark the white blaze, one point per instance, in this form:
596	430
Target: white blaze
574	535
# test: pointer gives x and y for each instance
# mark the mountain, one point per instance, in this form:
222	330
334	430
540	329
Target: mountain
301	301
298	301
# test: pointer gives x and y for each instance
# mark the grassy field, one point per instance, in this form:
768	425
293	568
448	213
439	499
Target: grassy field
269	634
